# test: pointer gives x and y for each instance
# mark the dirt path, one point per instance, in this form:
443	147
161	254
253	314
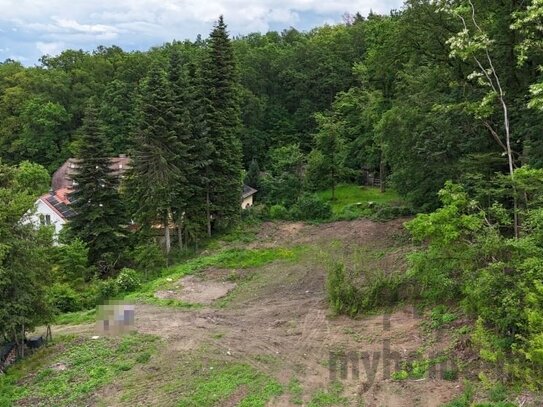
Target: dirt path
281	313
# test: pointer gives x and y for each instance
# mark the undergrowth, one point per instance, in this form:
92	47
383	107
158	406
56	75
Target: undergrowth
216	386
68	371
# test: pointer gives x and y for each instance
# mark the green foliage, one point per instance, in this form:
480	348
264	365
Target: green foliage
148	258
440	316
107	290
349	197
76	318
99	214
25	261
252	178
295	389
224	173
33	178
352	292
310	207
64	298
326	163
89	364
278	211
469	255
71	261
128	280
283	184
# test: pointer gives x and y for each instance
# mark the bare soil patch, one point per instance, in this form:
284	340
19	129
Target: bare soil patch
194	289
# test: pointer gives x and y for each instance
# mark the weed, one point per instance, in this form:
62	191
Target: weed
331	397
65	373
217	385
76	318
295	389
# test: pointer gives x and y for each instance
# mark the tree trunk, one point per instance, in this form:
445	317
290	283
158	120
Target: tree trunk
167	238
23	341
208	212
180	234
382	173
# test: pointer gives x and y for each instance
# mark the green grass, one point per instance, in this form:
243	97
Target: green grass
230	259
296	391
351	194
76	318
330	397
217	385
87	365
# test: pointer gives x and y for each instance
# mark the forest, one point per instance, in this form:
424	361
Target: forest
441	102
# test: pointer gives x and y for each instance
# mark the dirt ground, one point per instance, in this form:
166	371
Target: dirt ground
281	313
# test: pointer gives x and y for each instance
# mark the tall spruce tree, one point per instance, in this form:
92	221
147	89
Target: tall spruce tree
198	214
224	123
99	213
154	177
182	127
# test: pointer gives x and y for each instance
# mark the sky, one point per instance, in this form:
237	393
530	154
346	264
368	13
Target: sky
32	28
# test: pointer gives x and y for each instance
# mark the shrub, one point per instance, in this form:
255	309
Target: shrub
279	212
71	259
148	258
349	294
388	212
310	207
128	280
107	289
64	298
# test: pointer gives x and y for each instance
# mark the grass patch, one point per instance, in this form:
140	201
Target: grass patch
76	318
349	194
295	389
331	397
69	371
215	386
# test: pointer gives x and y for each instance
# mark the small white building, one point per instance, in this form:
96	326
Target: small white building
247	196
51	209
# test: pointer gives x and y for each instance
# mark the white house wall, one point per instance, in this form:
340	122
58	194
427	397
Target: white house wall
42	209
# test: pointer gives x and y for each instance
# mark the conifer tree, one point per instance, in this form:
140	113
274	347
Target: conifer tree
198	214
99	213
224	127
182	127
252	178
154	177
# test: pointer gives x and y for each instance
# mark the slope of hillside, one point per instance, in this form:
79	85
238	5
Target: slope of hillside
262	334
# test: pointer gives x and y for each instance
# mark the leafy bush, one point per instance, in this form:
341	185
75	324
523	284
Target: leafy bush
310	207
107	289
64	298
389	211
71	260
381	211
279	212
349	294
471	255
148	258
128	280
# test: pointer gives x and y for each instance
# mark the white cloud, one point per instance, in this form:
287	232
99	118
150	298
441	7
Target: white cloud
50	48
88	23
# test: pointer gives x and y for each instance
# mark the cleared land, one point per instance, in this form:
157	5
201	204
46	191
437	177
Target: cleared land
263	336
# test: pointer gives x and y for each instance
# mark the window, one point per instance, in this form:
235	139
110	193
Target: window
45	220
